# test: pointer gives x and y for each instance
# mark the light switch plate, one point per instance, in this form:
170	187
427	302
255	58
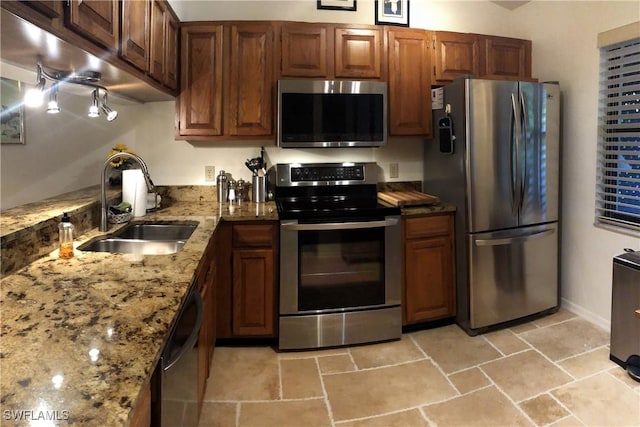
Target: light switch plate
394	170
210	173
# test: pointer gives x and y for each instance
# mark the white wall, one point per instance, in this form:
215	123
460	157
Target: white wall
62	152
564	38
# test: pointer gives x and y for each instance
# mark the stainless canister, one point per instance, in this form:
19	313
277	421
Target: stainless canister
221	187
259	188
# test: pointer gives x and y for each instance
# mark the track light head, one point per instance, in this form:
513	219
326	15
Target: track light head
52	106
111	114
94	111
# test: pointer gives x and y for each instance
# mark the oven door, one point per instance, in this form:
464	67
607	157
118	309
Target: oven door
328	267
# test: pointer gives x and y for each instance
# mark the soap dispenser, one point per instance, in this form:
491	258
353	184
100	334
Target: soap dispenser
66	230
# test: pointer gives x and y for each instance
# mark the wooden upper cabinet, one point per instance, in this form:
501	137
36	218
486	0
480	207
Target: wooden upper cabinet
409	57
200	99
505	58
250	79
358	52
50	8
456	54
97	20
134	40
164	39
304	50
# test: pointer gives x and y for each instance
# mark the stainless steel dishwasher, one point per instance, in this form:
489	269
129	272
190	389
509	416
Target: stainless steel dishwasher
625	300
179	362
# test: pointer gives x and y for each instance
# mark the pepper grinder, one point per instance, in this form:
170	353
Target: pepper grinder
240	190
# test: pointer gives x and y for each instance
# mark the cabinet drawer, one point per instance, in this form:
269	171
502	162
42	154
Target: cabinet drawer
427	226
252	235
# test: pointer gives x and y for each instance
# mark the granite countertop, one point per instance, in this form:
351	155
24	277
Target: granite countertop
80	338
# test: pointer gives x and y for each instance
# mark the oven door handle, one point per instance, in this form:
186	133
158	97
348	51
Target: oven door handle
340	225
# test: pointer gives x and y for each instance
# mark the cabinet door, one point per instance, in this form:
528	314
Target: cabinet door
250	80
96	20
171	52
157	66
506	58
201	81
50	8
429	279
456	54
304	50
134	43
409	82
253	292
358	53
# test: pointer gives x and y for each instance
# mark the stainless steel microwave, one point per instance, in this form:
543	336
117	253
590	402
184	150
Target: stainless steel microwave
331	113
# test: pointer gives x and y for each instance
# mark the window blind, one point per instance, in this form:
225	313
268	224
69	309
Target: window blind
618	169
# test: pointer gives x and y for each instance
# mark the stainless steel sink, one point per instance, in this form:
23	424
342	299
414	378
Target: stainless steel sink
162	238
161	231
132	246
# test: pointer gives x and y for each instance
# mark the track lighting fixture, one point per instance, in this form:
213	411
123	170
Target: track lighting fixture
53	107
111	114
94	111
34	97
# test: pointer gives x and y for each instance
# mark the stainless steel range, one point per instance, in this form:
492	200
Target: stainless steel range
340	257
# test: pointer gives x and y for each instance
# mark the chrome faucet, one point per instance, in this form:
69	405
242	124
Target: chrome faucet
103	192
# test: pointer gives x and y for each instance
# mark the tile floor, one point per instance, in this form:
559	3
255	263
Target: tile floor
551	371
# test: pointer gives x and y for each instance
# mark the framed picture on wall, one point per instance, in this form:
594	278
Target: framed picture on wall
12	115
337	4
392	12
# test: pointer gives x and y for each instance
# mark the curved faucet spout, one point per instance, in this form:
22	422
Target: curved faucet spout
103	193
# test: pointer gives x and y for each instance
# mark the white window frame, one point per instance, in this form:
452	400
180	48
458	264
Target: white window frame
618	158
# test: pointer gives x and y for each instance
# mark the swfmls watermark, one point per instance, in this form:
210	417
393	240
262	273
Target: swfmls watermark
34	415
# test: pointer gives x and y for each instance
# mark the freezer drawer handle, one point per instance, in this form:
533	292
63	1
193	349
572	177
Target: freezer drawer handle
510	240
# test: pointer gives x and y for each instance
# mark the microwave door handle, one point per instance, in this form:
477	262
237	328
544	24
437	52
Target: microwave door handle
340	225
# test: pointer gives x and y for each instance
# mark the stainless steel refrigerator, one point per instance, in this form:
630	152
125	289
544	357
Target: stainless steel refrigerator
496	157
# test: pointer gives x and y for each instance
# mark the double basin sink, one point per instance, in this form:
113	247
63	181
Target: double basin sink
163	238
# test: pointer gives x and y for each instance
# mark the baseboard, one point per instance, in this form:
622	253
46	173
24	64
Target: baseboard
599	321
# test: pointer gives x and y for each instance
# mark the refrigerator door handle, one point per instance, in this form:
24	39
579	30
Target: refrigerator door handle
523	166
516	239
514	158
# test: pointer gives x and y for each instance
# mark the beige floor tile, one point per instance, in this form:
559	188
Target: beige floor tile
524	375
570	421
378	391
551	319
621	374
544	409
249	373
218	414
567	339
588	363
506	341
300	379
486	407
601	400
292	413
313	353
469	380
452	349
523	327
412	418
388	353
337	363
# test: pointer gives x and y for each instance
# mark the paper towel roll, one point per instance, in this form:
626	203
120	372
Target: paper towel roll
134	191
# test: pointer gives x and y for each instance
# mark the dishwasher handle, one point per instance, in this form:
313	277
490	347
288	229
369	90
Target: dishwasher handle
193	336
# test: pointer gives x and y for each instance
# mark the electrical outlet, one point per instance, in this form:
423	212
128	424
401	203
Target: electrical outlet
394	171
210	173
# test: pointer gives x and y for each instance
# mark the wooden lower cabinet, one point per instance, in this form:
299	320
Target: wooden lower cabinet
141	413
429	285
246	280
